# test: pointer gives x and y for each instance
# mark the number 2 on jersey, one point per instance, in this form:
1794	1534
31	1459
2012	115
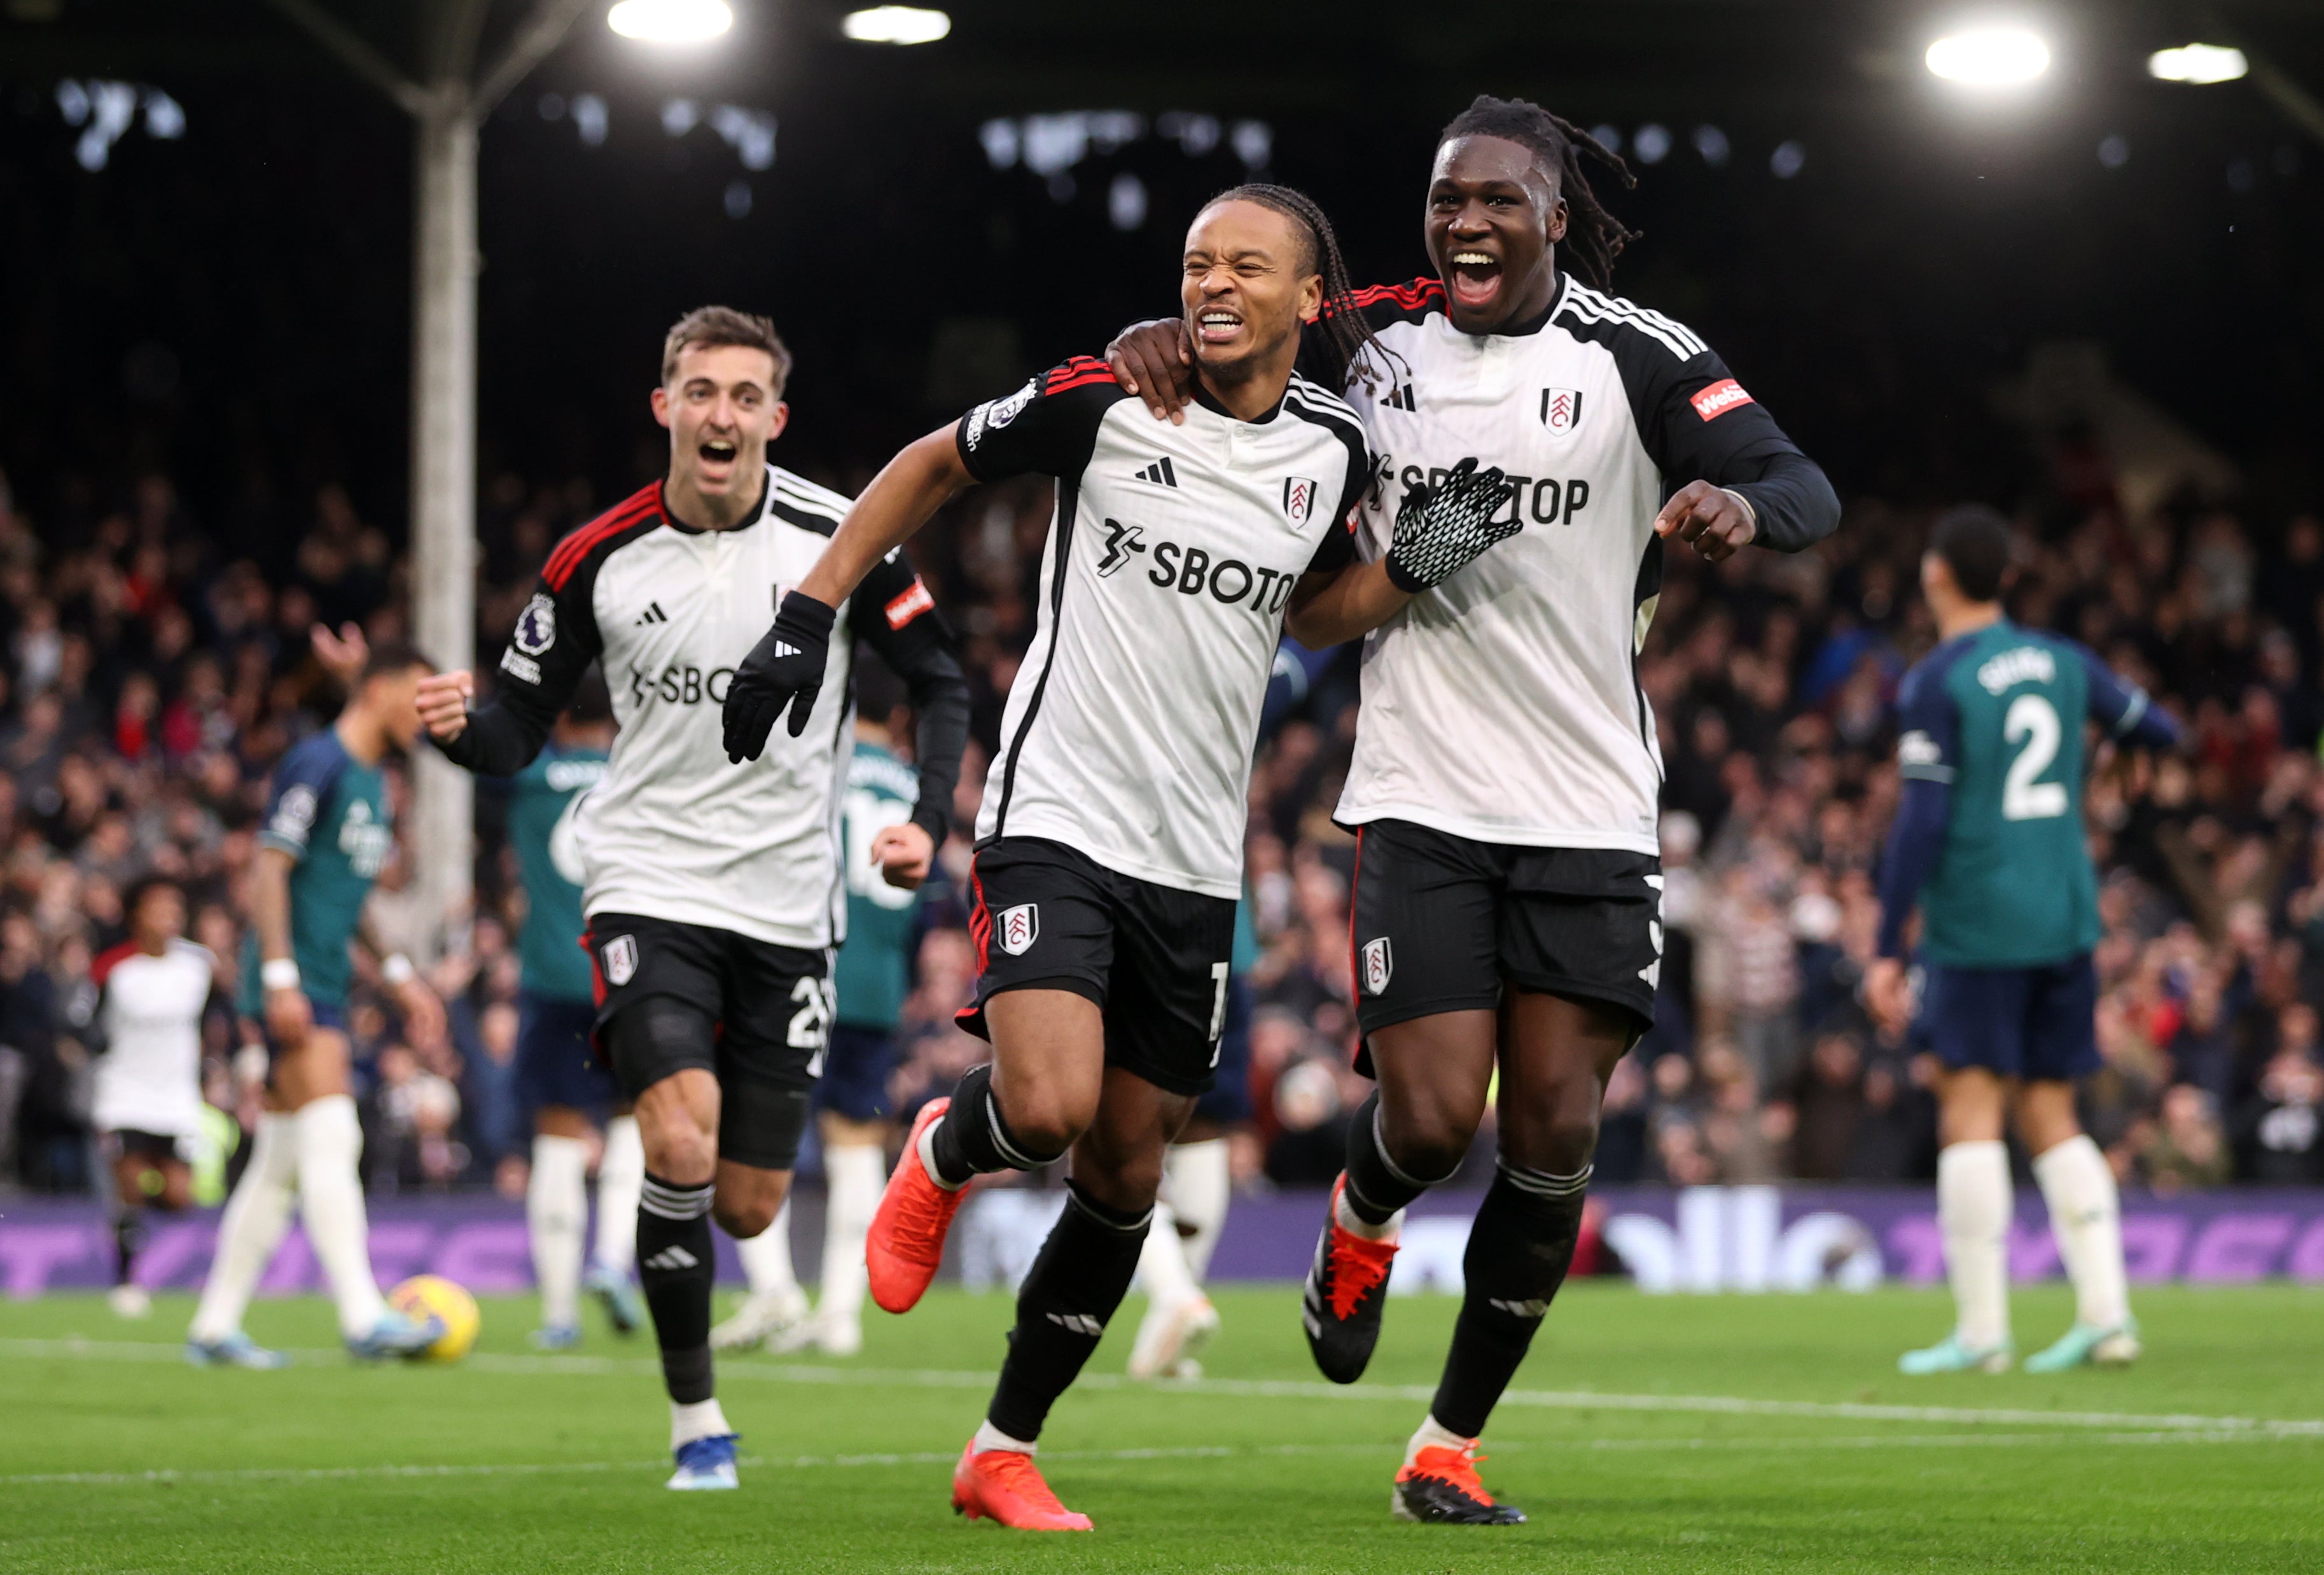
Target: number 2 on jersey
2034	719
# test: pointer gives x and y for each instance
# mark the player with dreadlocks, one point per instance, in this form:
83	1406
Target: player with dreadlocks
1109	850
1503	791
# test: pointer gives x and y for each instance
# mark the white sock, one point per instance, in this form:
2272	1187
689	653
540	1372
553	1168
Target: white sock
856	1175
1199	1178
700	1419
1162	1269
989	1437
331	1206
767	1257
250	1229
926	1149
620	1177
555	1213
2085	1217
1351	1223
1973	1212
1433	1434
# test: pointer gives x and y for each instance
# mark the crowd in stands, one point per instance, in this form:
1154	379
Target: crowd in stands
151	677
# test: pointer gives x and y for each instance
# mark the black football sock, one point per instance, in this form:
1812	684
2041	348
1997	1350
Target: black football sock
1377	1186
128	1241
676	1266
1083	1274
1519	1249
973	1138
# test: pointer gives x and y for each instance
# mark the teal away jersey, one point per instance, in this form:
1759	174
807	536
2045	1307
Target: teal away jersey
1998	714
542	800
328	811
874	971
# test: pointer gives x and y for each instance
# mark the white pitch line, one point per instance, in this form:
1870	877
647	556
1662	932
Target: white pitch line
1187	1453
1284	1389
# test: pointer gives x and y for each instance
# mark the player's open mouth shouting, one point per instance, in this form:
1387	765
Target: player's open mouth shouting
1474	275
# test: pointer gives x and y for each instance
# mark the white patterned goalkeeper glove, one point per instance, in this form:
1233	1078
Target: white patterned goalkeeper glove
1440	530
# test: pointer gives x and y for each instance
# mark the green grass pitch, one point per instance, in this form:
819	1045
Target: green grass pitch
1644	1434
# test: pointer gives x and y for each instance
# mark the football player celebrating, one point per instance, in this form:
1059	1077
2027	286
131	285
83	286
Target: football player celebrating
1988	846
1109	844
328	832
713	896
1505	772
154	989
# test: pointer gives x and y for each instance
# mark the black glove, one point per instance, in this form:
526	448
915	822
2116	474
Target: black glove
1441	529
784	669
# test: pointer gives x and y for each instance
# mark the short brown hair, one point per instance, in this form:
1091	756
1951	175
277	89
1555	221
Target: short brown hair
722	325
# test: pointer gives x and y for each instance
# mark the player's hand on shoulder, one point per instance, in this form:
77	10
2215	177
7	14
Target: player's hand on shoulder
905	854
784	671
1441	529
1154	361
1714	520
443	699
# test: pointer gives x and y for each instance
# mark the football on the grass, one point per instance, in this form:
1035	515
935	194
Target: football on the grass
423	1294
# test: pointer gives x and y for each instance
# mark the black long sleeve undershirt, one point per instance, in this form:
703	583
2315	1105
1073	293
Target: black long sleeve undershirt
503	735
939	692
1792	497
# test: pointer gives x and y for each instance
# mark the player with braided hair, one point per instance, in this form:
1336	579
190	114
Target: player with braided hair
1504	788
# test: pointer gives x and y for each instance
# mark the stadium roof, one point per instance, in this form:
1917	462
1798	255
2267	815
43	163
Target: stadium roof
1034	54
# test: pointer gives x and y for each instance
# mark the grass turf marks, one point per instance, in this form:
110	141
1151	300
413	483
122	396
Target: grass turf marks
1728	1432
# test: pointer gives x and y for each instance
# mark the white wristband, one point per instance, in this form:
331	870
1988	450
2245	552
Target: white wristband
1749	513
396	970
278	973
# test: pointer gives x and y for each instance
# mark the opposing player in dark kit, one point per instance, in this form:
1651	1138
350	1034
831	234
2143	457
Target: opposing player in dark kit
1506	775
1109	844
561	1083
328	832
1988	846
714	895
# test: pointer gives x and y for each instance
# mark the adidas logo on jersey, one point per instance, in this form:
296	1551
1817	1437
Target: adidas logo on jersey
1161	473
652	615
670	1259
1401	397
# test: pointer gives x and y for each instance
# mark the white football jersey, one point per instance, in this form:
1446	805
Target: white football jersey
675	831
149	1010
1130	728
1503	705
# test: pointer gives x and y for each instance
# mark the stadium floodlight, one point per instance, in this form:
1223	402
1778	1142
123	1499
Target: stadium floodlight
1989	56
670	21
896	24
2199	63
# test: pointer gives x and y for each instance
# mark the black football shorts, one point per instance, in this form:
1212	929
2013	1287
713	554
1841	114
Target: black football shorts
1153	957
1442	922
769	1008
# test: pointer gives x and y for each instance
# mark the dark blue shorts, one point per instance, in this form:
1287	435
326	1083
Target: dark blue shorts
2031	1023
555	1065
321	1013
1228	1101
855	1073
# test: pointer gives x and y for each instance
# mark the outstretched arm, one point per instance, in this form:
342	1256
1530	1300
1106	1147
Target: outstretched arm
784	671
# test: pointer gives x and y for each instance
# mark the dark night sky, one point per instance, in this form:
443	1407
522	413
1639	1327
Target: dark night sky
232	305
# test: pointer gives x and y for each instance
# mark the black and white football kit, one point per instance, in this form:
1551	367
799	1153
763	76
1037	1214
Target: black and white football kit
713	883
147	1025
1501	709
1109	844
